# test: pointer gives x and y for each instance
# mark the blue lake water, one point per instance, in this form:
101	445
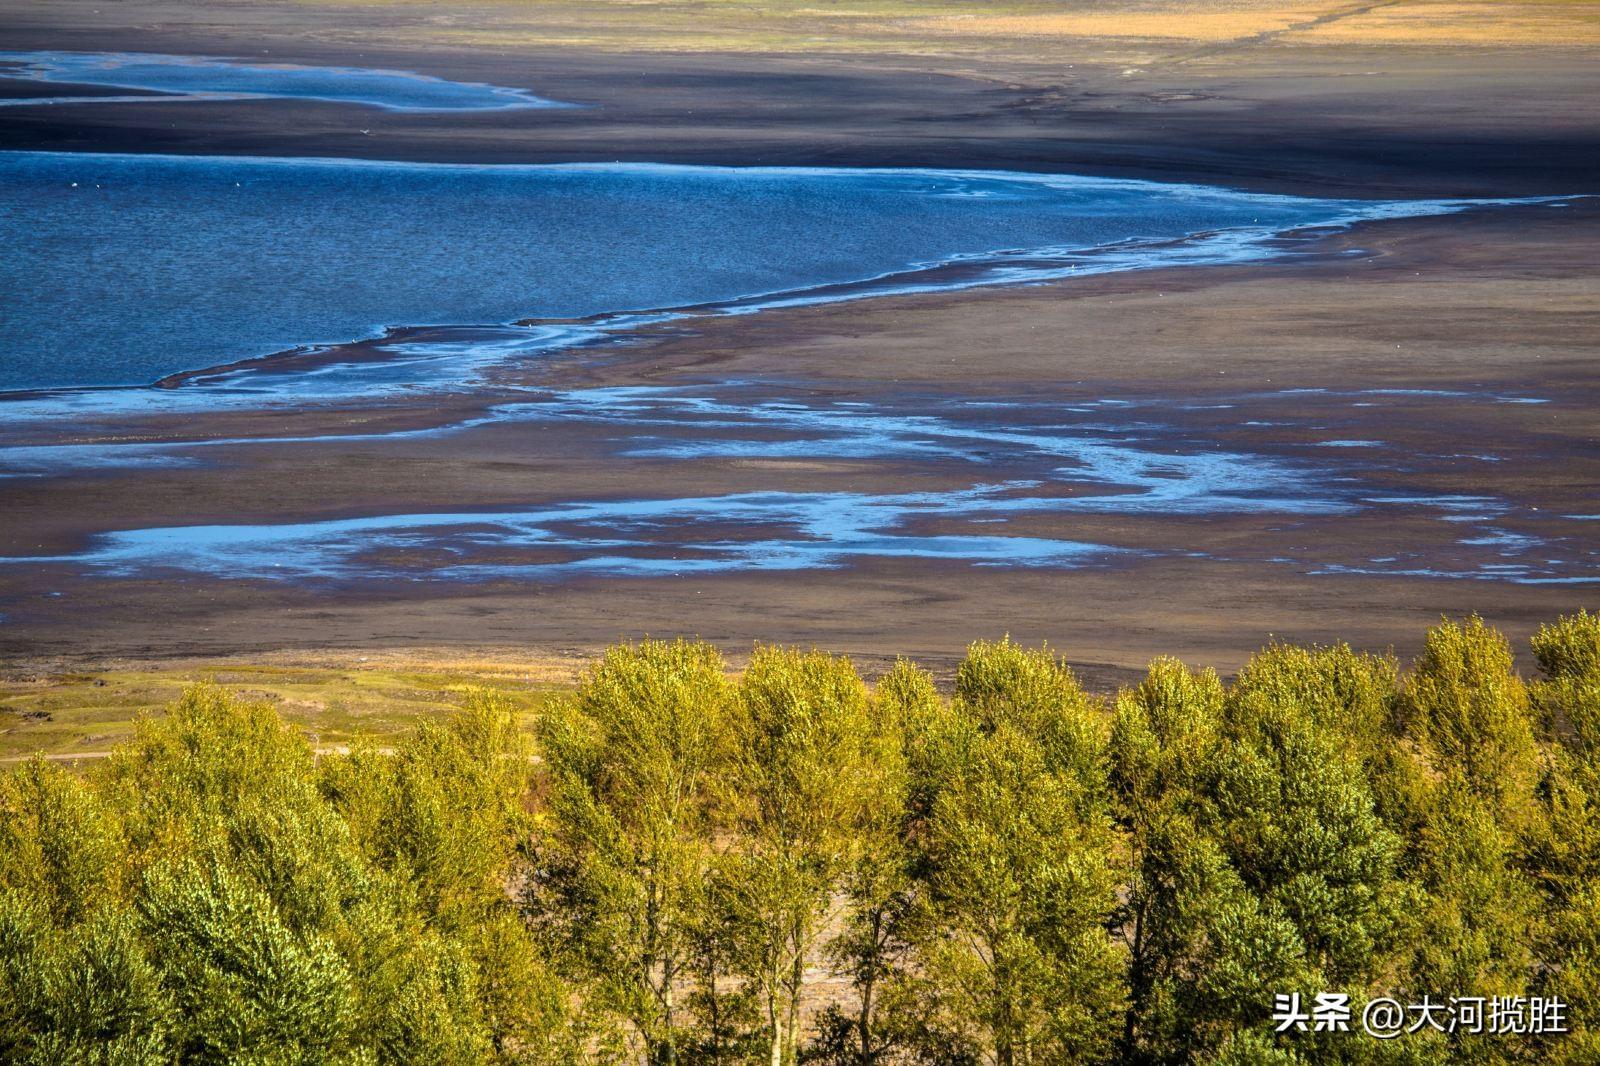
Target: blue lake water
120	269
1025	459
636	538
207	78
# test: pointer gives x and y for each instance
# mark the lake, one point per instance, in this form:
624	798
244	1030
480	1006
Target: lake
122	269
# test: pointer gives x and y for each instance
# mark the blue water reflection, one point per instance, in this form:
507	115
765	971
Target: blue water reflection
208	78
122	269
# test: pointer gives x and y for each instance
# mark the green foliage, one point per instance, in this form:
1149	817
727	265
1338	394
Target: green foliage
1261	863
1010	935
680	867
1568	696
87	993
246	985
212	894
807	781
628	848
1562	849
59	846
1470	712
1343	692
883	886
1481	910
1569	647
1478	819
1001	684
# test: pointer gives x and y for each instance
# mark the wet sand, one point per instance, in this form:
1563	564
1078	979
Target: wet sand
1478	306
1493	305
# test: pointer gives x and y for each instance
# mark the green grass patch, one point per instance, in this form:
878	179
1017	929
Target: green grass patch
78	712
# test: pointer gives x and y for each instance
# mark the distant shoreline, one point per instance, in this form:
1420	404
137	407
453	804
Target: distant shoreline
1308	120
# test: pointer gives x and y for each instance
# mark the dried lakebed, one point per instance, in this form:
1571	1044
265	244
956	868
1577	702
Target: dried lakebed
1020	482
518	266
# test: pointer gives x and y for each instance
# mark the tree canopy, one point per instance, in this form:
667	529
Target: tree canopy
679	863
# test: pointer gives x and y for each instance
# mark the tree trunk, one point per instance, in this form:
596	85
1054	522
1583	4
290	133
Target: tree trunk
714	1009
1137	985
797	977
865	1056
670	1055
777	1041
774	990
1005	1029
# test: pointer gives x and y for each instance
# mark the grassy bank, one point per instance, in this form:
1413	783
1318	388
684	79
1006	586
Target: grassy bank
332	700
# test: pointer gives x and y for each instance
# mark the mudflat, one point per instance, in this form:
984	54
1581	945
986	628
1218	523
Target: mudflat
1408	98
1366	388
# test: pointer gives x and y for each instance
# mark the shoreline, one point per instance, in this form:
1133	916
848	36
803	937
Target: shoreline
1253	246
1446	316
1474	276
1308	117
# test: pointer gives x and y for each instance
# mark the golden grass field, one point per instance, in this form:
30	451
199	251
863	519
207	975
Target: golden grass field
334	699
937	27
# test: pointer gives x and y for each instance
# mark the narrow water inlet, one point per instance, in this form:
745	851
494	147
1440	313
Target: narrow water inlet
214	78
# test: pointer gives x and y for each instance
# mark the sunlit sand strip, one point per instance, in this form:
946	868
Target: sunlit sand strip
1190	25
1403	22
1486	24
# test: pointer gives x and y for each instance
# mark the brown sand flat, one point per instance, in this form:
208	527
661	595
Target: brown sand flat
1505	296
1494	301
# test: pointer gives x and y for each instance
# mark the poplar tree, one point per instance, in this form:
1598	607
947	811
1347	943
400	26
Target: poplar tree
808	769
1470	714
1013	952
1470	717
212	894
1166	732
1564	853
1261	865
880	891
1009	877
625	861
